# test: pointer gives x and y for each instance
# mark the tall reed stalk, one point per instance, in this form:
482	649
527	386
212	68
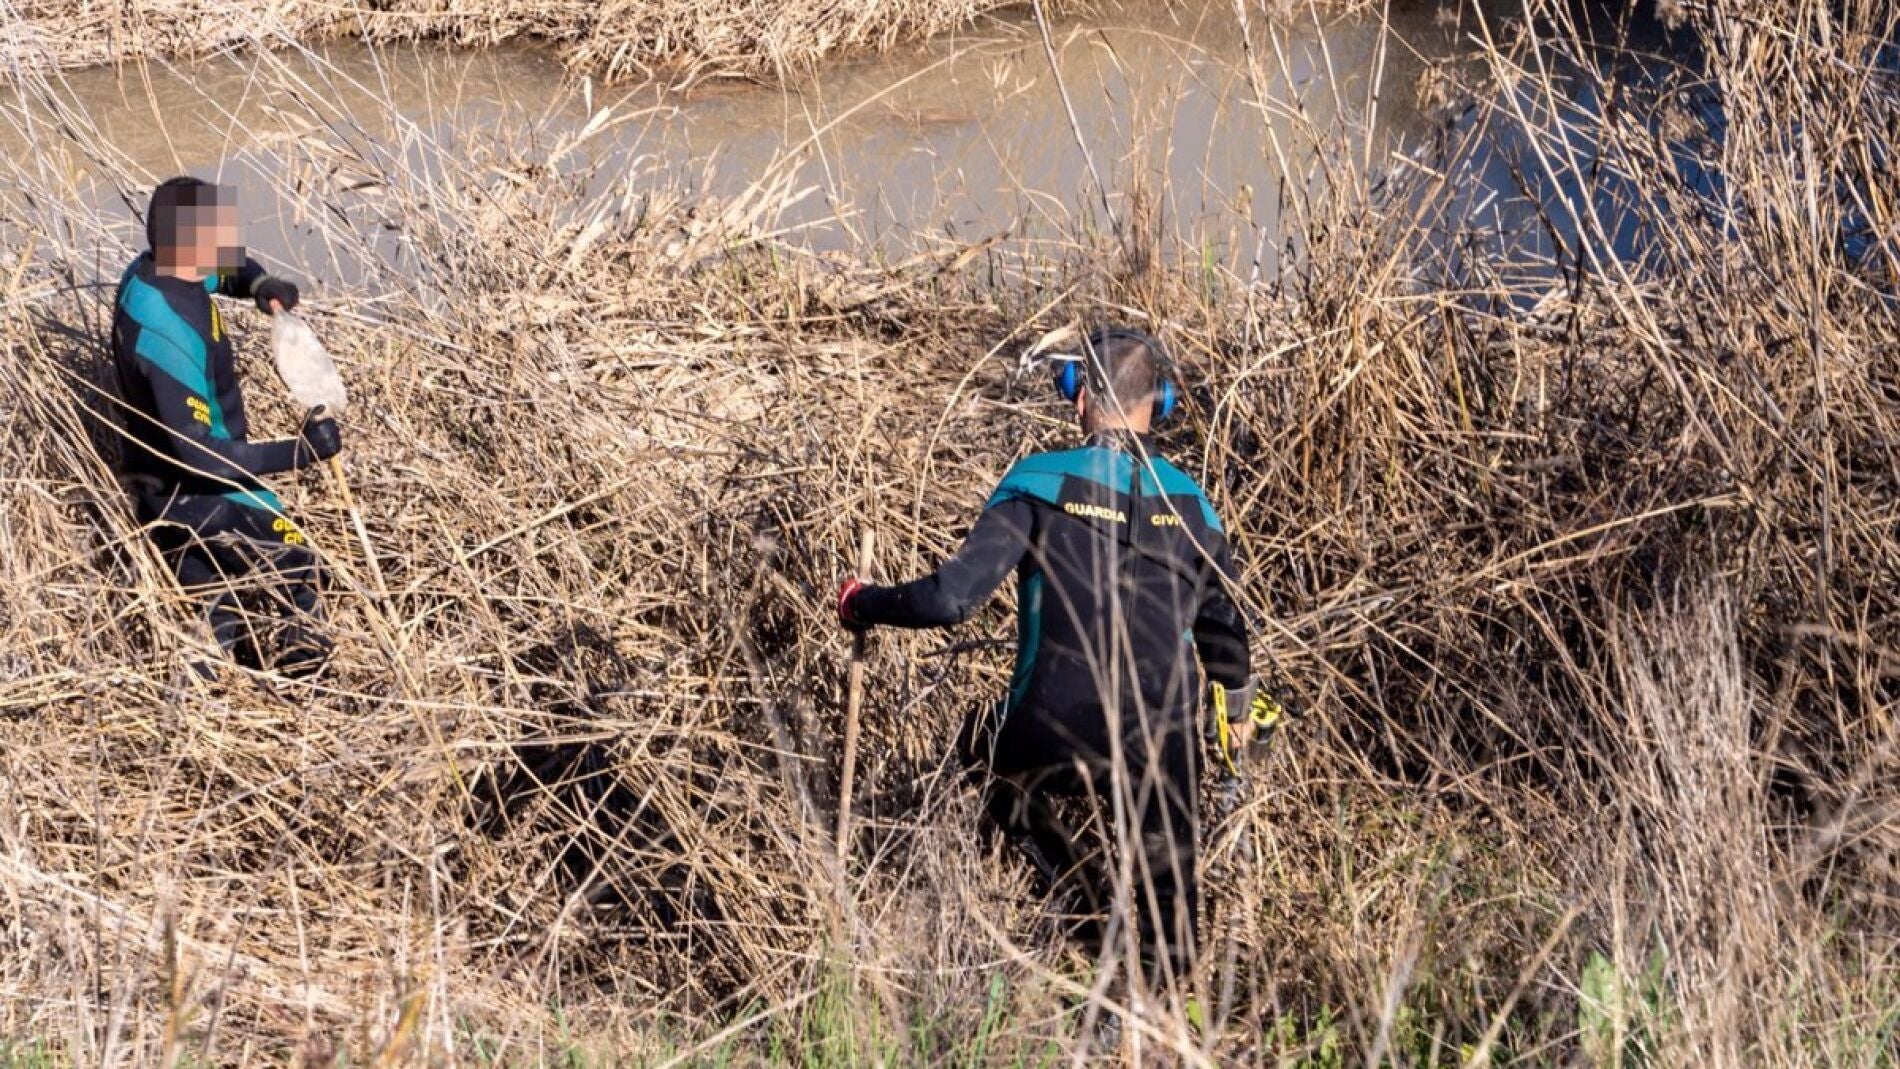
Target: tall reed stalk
1569	518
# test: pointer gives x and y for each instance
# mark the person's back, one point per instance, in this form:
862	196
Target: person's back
1123	556
1120	565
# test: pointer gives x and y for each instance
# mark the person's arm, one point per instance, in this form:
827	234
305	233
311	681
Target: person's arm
242	282
251	282
1220	631
954	592
202	444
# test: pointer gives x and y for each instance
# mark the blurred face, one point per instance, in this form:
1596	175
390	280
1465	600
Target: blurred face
207	238
220	246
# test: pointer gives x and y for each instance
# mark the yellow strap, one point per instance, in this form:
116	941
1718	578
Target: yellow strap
1223	731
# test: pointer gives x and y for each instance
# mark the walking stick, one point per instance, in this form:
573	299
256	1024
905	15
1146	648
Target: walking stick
311	376
854	697
356	521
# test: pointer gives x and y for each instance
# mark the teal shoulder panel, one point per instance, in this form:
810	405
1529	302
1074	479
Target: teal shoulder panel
1039	477
266	500
165	338
1105	467
1174	482
1169	480
1022	482
172	346
1035	478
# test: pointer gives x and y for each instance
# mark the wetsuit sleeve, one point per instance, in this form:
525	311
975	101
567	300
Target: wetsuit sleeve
242	282
1220	631
954	592
187	414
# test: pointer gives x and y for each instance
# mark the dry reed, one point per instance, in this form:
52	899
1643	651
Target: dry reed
1576	542
616	39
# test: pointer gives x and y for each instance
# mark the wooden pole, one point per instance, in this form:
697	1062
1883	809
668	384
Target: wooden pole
362	533
853	700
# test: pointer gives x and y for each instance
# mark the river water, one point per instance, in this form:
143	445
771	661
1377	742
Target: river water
964	136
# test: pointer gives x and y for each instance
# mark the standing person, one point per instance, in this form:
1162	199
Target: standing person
1121	566
196	475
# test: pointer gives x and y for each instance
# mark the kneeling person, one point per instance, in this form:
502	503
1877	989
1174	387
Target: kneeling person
195	472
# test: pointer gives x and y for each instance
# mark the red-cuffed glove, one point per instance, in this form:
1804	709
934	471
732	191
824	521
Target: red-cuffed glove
846	592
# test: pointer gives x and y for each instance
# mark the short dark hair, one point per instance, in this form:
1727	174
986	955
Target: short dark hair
1126	363
163	214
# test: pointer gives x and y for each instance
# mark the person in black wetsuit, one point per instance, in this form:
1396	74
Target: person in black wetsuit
196	475
1121	570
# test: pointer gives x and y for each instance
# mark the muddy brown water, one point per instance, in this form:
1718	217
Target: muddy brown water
964	136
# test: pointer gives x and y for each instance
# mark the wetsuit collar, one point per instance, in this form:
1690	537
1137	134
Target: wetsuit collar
1122	440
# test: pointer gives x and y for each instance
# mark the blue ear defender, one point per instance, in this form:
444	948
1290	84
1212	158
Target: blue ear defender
1069	379
1072	371
1164	399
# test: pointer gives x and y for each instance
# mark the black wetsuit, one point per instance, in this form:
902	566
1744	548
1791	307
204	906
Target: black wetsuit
1120	565
194	470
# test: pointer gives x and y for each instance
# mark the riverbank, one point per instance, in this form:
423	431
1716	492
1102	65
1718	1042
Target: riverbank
1575	544
616	40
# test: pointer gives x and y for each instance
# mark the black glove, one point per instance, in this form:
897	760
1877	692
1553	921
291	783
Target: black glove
319	439
268	289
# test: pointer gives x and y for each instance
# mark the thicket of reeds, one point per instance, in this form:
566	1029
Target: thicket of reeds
617	39
1576	545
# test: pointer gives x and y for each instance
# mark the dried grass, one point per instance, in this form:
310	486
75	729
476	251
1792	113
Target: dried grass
1585	573
616	39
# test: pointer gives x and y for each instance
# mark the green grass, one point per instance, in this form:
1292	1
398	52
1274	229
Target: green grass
27	1054
1621	1019
843	1027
